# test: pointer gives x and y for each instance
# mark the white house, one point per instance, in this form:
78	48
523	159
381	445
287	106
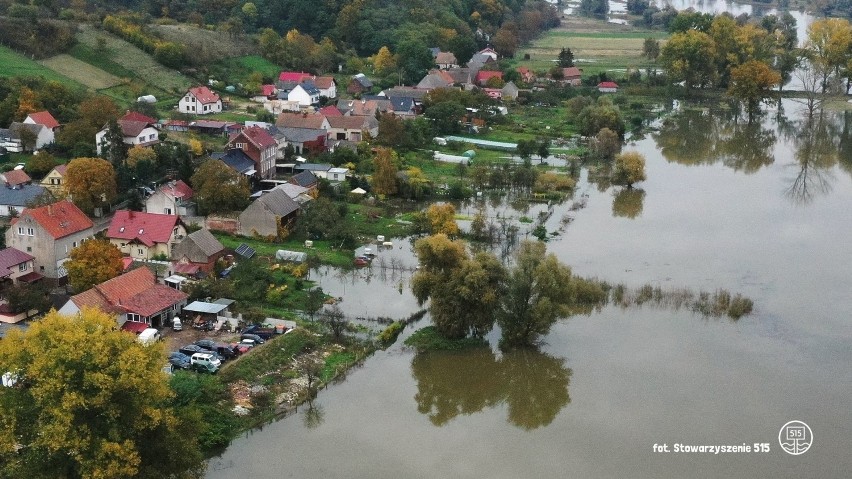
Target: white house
200	101
42	134
337	174
136	129
304	93
326	86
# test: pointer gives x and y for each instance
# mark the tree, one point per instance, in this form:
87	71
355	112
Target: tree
93	262
629	168
314	301
828	46
446	116
604	114
594	8
628	203
651	48
606	144
442	219
334	319
637	7
90	402
752	82
539	290
218	188
112	144
384	63
566	58
414	60
543	149
41	164
24	298
506	40
91	183
462	47
686	58
139	154
384	172
526	148
463	291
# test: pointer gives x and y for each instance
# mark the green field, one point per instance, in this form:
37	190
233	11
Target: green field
87	74
16	65
93	57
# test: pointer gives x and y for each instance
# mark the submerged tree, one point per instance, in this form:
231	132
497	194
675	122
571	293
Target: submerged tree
629	168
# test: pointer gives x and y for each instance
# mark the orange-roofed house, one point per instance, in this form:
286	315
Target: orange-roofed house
484	75
134	296
145	235
327	86
258	145
49	233
200	100
172	198
43	118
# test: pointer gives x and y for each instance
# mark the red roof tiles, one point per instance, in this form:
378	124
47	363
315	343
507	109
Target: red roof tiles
147	228
267	90
10	257
204	94
44	118
177	189
16	177
607	84
59	219
294	76
324	83
134	292
330	110
256	136
484	75
300	120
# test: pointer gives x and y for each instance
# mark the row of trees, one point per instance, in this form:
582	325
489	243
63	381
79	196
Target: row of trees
468	293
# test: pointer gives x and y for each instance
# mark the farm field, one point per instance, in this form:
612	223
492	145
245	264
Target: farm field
16	65
87	74
208	45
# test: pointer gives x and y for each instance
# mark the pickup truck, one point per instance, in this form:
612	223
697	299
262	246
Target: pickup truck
264	333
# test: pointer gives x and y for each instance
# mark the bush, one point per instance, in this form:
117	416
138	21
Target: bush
428	339
389	335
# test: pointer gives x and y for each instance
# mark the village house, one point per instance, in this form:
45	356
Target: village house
145	236
446	60
572	76
134	296
39	135
15	178
136	129
510	91
49	233
483	76
302	120
302	140
172	198
335	175
296	193
369	105
436	79
268	215
258	145
608	87
494	93
305	93
16	267
352	128
238	161
359	84
55	180
527	75
43	118
200	248
320	170
327	87
305	179
266	92
200	100
13	199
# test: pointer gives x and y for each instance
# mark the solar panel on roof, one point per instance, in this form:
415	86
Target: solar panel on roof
245	250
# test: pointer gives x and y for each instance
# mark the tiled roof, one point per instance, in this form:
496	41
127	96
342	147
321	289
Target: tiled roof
136	116
267	90
435	79
293	191
363	80
10	257
607	84
206	242
59	219
17	126
485	75
324	83
352	122
92	298
147	228
300	120
177	189
132	127
446	58
407	92
135	292
61	169
236	159
154	299
330	110
16	177
20	195
278	202
44	118
301	135
204	94
257	136
571	72
293	76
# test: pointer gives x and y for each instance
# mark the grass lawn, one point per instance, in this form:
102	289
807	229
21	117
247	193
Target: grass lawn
242	67
322	251
85	73
89	55
16	65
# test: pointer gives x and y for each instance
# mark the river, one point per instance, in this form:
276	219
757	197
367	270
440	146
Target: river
764	210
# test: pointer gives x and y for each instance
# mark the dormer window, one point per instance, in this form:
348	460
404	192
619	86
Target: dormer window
141	230
121	230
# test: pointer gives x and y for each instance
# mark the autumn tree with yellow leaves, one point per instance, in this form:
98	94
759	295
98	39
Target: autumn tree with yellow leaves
93	262
91	183
87	400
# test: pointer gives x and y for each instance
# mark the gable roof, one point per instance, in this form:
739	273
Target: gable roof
446	58
300	135
404	91
198	247
16	127
257	136
607	84
147	228
330	110
324	83
205	240
292	190
363	80
300	120
278	203
204	94
352	122
19	195
293	76
59	219
10	257
61	169
309	88
236	159
402	104
267	90
134	292
44	118
16	177
484	75
370	107
314	167
305	178
571	72
177	189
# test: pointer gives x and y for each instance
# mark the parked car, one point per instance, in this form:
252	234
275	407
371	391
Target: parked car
256	338
205	362
191	349
149	336
179	360
224	350
244	346
265	333
177	325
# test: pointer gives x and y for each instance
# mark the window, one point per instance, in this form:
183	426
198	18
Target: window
123	245
42	268
240	145
142	139
168	211
54	181
30	250
20	230
151	137
30	232
75	244
141	251
175	232
22	267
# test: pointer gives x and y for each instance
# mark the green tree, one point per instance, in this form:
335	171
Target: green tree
651	48
383	180
463	291
91	182
603	114
686	58
629	168
446	116
526	148
218	188
93	262
751	83
90	402
543	149
24	298
506	40
594	8
565	58
334	319
414	60
112	144
606	144
539	290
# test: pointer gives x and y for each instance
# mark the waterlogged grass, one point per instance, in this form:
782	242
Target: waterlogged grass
716	304
428	339
336	363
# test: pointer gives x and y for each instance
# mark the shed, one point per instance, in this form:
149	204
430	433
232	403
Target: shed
293	256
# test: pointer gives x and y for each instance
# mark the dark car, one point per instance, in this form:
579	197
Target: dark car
264	333
179	360
257	339
191	349
222	349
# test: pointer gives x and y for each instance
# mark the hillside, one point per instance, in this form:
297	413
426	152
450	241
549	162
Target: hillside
17	65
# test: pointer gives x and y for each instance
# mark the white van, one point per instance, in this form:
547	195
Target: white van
176	324
205	362
149	336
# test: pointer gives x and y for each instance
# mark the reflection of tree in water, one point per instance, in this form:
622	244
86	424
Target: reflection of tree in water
817	146
703	137
314	416
628	203
533	385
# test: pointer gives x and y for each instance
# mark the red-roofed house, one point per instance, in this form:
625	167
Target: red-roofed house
145	235
326	86
43	118
608	87
572	76
55	180
527	75
330	110
136	128
14	264
15	178
134	296
494	93
200	100
484	75
258	145
446	60
297	77
49	233
172	198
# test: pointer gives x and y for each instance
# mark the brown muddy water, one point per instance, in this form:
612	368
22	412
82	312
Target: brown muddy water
764	211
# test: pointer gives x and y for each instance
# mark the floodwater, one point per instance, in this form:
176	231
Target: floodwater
763	210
